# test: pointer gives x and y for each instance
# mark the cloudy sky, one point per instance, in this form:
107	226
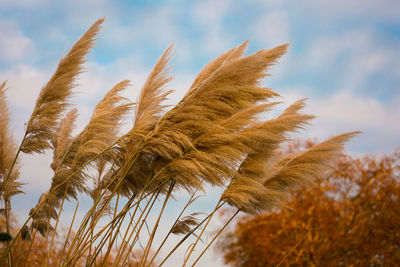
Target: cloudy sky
344	56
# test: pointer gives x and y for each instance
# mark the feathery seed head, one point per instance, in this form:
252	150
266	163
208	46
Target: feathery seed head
8	181
54	96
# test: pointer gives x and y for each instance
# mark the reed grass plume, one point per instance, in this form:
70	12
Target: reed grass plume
63	139
232	85
260	185
8	175
184	225
55	95
148	110
101	131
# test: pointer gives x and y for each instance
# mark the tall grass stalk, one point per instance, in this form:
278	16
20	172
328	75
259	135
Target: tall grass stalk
216	236
202	231
174	224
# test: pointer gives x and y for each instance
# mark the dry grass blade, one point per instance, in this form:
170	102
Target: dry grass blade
42	226
25	234
245	117
9	163
54	96
100	132
104	206
103	127
183	226
266	136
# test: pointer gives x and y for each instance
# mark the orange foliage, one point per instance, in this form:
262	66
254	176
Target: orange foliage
350	218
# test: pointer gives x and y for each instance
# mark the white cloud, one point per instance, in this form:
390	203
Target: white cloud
209	12
215	41
159	27
86	12
352	57
24	83
371	9
348	60
273	29
22	3
209	15
345	111
14	45
386	10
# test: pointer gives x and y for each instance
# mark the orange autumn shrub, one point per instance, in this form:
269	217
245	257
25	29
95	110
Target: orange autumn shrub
350	218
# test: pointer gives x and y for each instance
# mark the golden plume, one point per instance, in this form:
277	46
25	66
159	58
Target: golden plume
147	113
211	67
153	93
231	88
99	134
8	149
63	139
183	226
224	88
54	96
219	153
260	185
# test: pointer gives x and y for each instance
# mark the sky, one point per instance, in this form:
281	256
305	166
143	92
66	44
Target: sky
343	56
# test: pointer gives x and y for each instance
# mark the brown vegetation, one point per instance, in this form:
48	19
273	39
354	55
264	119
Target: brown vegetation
350	218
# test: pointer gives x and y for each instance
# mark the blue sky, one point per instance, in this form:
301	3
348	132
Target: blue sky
344	56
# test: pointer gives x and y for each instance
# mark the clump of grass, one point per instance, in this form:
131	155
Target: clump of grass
215	136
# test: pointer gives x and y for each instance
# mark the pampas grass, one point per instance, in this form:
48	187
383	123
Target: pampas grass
215	136
54	96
